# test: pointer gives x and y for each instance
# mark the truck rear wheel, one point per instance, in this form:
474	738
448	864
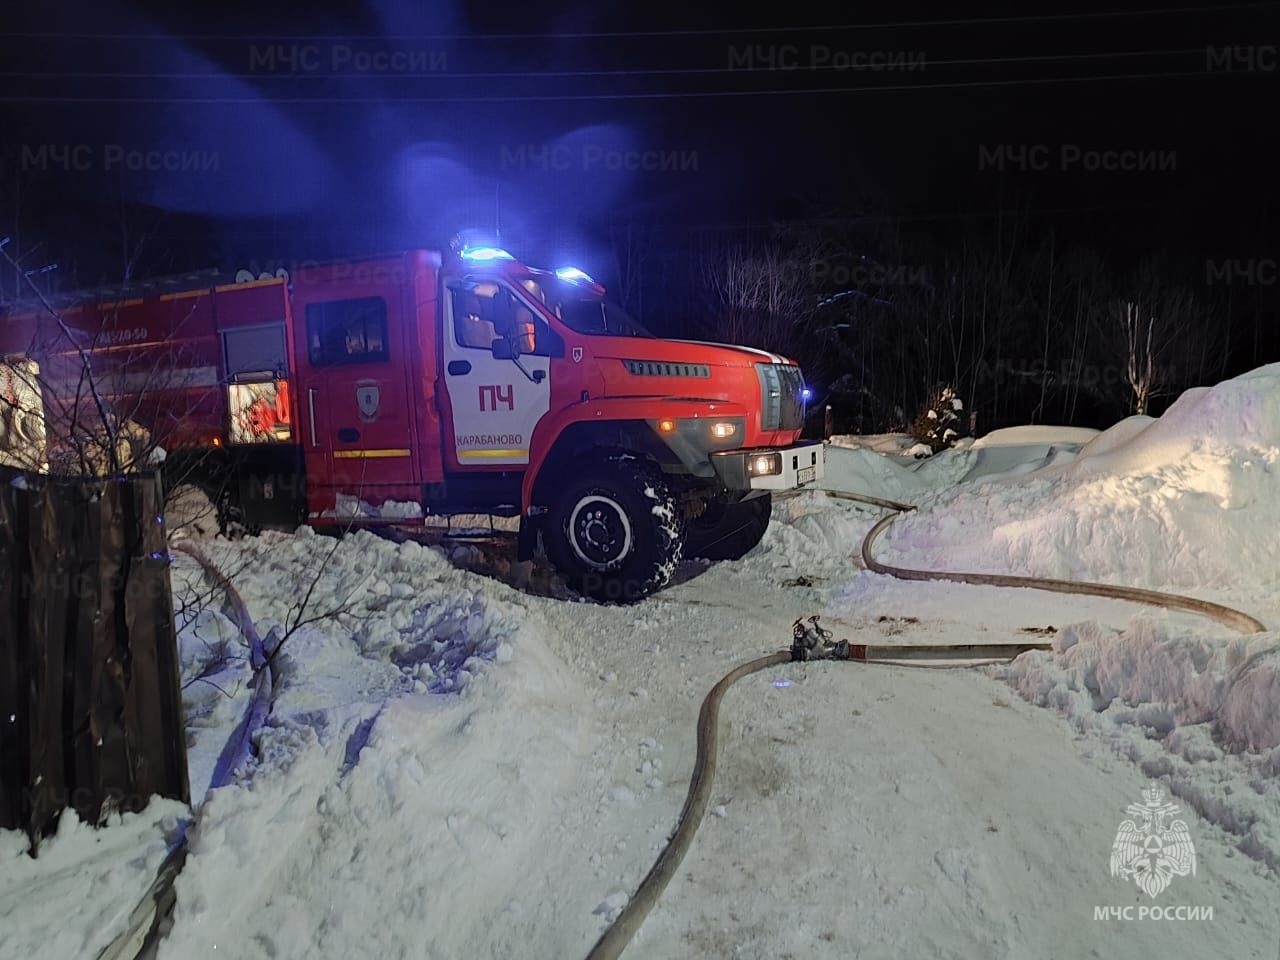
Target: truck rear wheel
727	531
616	534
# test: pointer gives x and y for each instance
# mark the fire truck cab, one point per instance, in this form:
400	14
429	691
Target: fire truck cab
377	391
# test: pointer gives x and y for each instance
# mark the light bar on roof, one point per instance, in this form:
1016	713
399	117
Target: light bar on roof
484	254
573	275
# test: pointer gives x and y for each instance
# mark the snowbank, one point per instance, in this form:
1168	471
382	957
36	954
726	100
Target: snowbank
862	470
189	513
1016	451
896	444
420	738
1238	419
1188	502
1204	714
348	507
894	476
1181	678
1034	435
77	895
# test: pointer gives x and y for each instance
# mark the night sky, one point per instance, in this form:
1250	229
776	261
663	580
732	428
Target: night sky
353	128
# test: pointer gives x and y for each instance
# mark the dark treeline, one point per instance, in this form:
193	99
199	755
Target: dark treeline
1030	321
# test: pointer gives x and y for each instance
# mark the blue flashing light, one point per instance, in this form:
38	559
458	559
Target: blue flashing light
572	275
806	393
485	254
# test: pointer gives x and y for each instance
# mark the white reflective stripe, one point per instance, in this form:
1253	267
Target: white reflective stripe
772	357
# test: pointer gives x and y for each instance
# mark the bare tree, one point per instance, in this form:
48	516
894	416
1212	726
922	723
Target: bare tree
761	292
1140	370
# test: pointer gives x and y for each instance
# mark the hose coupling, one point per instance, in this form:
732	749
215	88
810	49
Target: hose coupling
809	639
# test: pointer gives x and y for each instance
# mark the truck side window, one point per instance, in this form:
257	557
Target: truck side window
255	352
485	311
347	331
474	316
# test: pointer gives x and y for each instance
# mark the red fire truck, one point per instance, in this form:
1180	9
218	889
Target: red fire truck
380	390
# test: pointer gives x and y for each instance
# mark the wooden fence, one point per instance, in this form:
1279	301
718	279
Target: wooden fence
90	700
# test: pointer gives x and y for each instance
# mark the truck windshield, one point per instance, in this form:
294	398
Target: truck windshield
584	313
593	315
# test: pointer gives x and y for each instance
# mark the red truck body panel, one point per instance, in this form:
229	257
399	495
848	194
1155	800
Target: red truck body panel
359	365
157	357
373	424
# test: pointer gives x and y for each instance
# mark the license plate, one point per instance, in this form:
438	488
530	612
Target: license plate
806	475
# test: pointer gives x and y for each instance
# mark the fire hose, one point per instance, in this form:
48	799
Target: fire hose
810	641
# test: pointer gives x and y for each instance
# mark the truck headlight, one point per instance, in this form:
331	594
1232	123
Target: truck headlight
764	464
723	430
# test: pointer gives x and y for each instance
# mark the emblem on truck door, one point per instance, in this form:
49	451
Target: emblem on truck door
577	354
367	398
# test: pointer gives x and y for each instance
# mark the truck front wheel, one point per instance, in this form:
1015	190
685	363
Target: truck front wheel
616	534
726	531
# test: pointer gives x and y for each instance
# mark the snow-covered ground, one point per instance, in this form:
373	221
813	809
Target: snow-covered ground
454	768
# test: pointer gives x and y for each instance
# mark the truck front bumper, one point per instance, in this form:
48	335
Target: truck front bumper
771	468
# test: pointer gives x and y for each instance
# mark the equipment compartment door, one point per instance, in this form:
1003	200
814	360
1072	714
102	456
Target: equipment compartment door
356	430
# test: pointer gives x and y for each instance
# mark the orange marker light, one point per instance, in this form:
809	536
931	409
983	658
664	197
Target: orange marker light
666	426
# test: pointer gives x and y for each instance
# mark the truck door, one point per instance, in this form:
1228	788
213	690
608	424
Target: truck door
356	424
496	401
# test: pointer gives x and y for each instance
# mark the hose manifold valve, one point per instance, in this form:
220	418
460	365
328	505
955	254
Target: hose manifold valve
812	641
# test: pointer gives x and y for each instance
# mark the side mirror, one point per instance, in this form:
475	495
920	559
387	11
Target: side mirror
504	350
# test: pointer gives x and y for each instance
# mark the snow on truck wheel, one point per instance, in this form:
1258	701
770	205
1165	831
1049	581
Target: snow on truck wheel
615	534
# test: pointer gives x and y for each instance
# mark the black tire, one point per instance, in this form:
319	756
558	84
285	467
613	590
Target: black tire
616	534
727	531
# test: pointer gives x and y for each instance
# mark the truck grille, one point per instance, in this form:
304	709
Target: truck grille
781	395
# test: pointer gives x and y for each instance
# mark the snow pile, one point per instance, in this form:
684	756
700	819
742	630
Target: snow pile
1020	450
1039	434
1203	714
77	895
879	471
811	534
888	443
395	614
189	513
1179	676
817	534
1239	418
383	819
1189	501
348	507
873	474
215	672
408	784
